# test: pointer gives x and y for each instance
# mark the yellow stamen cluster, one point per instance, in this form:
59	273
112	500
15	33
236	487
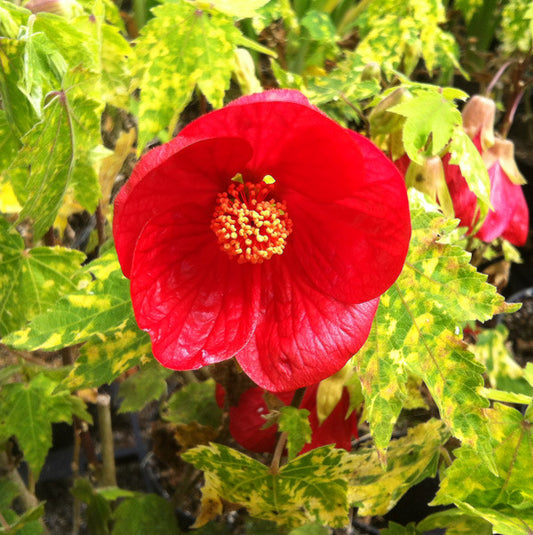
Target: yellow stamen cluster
247	225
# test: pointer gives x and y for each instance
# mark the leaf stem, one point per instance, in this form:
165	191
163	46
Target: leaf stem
4	522
282	440
103	404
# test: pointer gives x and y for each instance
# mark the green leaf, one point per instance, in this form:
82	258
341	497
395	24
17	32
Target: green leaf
99	512
504	498
145	515
431	120
410	459
456	522
194	402
11	18
26	524
107	356
56	157
320	27
8	492
397	35
19	112
9	142
28	411
295	422
32	280
464	153
312	487
416	333
181	48
145	385
503	371
103	305
516	28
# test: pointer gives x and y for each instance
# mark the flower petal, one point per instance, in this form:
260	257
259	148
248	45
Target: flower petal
336	428
518	228
304	335
353	249
292	141
198	306
504	196
182	170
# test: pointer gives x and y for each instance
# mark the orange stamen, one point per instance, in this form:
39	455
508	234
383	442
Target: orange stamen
248	226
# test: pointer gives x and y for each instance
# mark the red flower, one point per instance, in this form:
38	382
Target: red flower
509	216
266	231
246	420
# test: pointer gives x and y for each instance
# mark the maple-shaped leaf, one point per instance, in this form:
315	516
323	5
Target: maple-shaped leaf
464	153
430	120
55	157
397	35
375	490
504	498
104	305
180	48
105	357
27	410
32	280
417	332
194	402
312	487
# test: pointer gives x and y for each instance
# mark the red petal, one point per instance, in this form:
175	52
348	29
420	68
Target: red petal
300	147
181	171
518	228
504	197
198	305
304	335
336	428
464	201
353	249
247	419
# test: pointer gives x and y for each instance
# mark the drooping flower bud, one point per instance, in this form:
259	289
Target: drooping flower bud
371	71
478	117
503	151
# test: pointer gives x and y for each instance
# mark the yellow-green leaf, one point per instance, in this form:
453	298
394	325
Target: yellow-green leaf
375	490
417	331
504	498
32	280
312	487
180	48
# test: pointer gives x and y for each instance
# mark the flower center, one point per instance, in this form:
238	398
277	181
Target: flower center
247	224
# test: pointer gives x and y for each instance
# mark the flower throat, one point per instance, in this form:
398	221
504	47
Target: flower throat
247	224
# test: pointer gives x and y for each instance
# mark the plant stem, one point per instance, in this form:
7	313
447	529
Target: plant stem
103	405
278	452
4	522
100	227
282	440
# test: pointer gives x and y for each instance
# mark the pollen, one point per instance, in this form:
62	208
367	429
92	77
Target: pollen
249	224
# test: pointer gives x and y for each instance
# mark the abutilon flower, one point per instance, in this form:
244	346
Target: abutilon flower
509	216
263	231
247	423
